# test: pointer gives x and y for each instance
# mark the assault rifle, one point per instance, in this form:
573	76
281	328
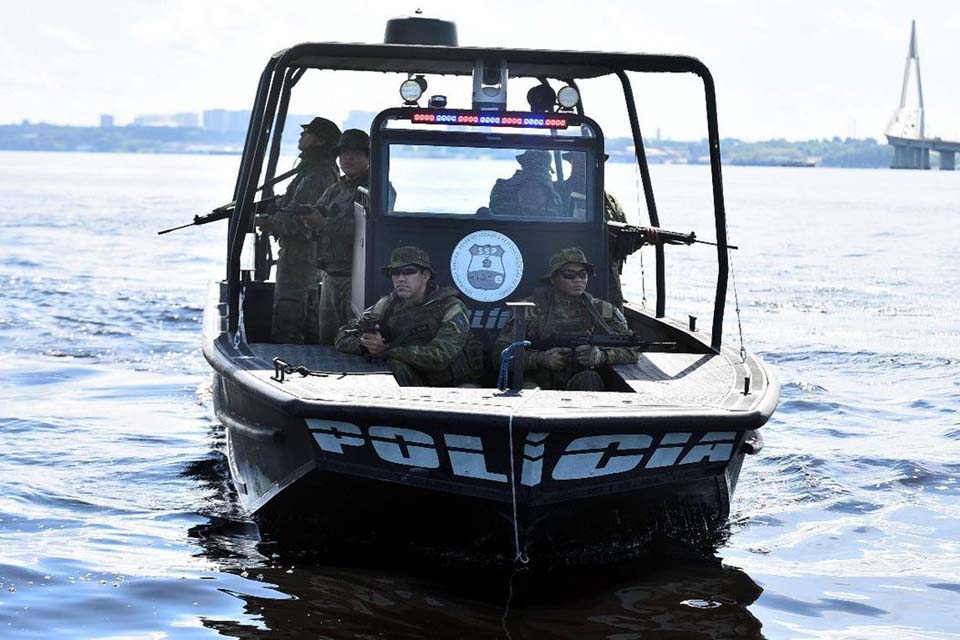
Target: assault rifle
366	323
266	206
629	238
574	340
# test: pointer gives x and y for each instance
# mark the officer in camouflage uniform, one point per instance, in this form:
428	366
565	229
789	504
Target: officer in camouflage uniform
577	182
332	221
295	299
566	307
422	330
529	191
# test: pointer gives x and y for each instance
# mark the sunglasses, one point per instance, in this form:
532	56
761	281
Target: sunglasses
571	274
404	271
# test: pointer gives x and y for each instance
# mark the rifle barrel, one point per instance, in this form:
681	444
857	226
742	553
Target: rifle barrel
183	226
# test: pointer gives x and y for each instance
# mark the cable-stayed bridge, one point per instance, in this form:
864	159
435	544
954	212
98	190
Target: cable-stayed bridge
905	132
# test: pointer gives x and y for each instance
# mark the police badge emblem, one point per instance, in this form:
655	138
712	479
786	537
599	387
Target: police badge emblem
485	270
486	266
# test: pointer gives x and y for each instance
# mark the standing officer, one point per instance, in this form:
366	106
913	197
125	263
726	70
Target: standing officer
332	220
295	294
420	329
577	183
566	307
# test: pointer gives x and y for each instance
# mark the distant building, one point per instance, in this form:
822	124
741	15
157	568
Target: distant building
153	120
186	119
106	121
226	121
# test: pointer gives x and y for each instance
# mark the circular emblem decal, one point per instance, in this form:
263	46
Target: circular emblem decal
486	265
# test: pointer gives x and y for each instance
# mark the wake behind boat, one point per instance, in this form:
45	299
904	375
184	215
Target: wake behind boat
329	447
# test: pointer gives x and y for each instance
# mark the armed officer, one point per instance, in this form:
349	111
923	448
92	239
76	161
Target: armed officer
612	211
332	221
295	298
420	330
565	307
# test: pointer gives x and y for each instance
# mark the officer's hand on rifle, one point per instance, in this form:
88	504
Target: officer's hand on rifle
311	216
553	359
588	355
373	343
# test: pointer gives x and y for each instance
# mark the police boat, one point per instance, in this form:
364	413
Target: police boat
328	448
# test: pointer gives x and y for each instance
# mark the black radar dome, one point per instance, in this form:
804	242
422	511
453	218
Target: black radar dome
420	30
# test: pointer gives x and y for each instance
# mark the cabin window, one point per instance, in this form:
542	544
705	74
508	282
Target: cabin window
505	183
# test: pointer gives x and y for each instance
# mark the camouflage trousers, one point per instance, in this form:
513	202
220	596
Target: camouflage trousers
334	312
588	380
295	300
407	376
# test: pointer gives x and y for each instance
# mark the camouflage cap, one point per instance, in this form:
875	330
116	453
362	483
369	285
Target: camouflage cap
405	256
354	139
324	129
535	159
564	256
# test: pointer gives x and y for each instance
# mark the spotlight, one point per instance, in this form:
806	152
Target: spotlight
568	97
412	88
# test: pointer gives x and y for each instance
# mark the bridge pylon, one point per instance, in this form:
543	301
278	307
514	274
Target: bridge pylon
905	131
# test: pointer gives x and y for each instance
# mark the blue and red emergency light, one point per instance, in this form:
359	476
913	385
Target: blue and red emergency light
487	119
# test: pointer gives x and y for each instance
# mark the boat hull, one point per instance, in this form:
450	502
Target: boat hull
480	476
462	495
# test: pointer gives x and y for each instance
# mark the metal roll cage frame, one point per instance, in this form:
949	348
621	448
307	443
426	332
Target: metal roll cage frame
287	67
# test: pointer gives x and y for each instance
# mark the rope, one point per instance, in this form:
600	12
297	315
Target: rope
282	368
240	337
643	273
506	357
520	558
643	281
519	555
736	302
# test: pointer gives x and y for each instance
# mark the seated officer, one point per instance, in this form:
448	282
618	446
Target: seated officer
566	307
421	330
529	191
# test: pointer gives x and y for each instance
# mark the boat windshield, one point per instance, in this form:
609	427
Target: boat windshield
509	183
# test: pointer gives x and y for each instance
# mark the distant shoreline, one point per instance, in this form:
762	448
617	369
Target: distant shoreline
853	153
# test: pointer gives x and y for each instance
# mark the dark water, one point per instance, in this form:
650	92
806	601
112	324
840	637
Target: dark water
116	516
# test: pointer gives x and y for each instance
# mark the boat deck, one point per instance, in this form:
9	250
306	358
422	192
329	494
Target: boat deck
666	381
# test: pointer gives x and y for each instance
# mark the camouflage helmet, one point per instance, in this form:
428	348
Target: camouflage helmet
535	159
564	256
323	129
406	256
354	139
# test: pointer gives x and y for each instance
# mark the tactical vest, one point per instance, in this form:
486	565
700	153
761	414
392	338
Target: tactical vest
405	326
598	311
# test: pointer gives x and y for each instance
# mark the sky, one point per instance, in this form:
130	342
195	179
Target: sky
783	69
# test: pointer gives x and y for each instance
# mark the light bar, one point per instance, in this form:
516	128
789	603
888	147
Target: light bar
485	119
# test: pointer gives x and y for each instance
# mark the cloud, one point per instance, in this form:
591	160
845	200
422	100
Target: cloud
66	36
